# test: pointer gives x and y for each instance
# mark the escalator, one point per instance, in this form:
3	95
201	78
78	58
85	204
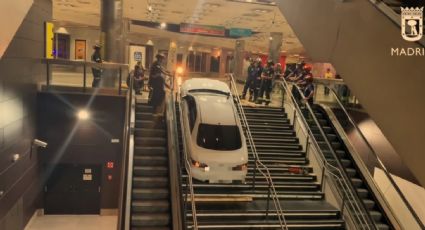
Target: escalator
350	167
357	37
150	204
246	205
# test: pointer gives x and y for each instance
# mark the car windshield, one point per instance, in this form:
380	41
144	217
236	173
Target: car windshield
219	137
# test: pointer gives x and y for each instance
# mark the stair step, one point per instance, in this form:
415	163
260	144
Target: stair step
150	161
150	220
150	141
150	194
150	182
150	151
150	206
150	171
143	132
150	124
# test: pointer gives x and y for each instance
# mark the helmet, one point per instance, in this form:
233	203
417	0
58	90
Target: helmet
278	64
307	68
258	60
97	46
270	62
160	56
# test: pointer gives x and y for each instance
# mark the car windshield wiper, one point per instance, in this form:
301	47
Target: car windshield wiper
209	91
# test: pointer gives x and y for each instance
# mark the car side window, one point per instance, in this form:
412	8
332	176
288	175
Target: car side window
191	105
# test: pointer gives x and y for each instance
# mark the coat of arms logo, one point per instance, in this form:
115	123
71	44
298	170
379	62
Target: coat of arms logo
412	23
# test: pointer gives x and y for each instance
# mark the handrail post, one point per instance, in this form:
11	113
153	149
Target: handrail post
48	75
268	200
322	182
119	81
255	172
84	77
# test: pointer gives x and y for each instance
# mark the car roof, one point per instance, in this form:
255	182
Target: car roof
195	84
215	109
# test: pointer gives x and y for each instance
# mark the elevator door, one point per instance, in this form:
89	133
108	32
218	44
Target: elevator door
73	189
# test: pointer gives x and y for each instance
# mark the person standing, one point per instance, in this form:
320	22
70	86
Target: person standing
157	83
328	75
255	88
309	90
138	79
278	75
266	83
252	73
97	72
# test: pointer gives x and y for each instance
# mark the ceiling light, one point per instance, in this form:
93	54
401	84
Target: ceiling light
163	25
83	114
271	38
149	43
190	48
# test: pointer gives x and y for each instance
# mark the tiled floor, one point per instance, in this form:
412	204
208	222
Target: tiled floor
68	222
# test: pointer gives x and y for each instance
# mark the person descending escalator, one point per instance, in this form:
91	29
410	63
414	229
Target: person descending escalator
309	90
278	75
250	80
266	83
157	84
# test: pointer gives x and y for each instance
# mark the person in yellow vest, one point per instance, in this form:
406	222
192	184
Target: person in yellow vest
328	75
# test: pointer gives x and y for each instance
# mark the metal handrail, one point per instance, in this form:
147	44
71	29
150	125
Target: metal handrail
381	165
174	166
266	174
189	179
347	188
127	162
85	64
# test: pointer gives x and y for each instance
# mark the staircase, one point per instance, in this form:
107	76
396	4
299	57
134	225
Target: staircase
150	206
241	206
349	165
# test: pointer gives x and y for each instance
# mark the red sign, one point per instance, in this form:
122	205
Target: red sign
110	165
203	29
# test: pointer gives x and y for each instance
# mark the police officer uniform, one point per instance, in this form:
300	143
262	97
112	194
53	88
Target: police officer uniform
97	72
266	82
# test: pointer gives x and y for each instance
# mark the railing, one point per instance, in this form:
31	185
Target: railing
350	200
127	162
189	181
174	163
259	166
75	74
373	156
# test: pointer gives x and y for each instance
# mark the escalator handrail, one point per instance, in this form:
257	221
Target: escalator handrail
127	161
348	188
173	153
189	176
266	174
378	160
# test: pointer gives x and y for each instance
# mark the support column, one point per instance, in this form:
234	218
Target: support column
275	46
172	57
239	56
223	59
112	38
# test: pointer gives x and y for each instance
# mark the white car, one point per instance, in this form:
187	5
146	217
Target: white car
214	137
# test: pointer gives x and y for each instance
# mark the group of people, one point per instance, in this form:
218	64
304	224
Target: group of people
261	80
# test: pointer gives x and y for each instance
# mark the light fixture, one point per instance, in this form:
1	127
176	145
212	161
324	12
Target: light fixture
190	48
83	114
15	157
61	30
271	38
149	43
163	25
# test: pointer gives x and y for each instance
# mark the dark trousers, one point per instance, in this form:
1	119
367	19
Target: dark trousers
266	87
249	84
97	74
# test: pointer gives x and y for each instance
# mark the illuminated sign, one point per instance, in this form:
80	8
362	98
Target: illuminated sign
240	32
203	29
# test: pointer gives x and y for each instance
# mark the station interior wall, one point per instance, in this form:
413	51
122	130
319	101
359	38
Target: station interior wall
21	70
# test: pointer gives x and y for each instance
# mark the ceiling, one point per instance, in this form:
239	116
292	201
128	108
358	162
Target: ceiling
259	15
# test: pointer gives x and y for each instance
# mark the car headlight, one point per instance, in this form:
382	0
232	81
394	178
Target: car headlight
240	167
200	165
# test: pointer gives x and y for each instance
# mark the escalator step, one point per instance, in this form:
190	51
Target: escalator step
150	182
150	194
150	171
150	220
151	206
